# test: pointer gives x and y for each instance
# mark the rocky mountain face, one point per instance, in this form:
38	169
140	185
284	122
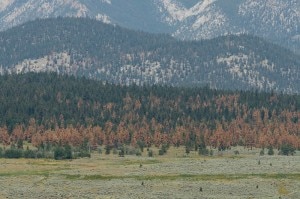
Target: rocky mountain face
87	47
277	21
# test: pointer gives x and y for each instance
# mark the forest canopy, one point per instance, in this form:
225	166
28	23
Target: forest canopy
49	108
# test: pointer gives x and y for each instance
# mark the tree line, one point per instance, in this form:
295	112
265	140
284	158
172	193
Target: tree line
57	110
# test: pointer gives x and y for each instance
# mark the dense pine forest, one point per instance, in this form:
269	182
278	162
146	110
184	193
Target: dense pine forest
49	109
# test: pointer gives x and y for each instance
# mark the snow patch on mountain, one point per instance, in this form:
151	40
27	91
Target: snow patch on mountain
177	12
104	18
4	4
42	9
106	1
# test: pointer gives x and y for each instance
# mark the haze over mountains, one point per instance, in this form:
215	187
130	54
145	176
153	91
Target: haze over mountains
86	47
275	20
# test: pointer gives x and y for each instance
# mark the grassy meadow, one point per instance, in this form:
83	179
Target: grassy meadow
173	175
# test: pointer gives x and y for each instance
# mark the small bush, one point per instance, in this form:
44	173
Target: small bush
164	148
129	150
59	153
122	152
150	153
107	150
68	152
42	154
270	151
29	154
161	152
287	149
187	150
221	147
13	153
262	152
1	152
203	151
82	154
236	152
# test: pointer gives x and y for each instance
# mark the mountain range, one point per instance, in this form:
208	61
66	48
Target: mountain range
277	21
87	47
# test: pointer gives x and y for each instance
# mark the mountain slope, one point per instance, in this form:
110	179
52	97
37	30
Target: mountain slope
275	20
86	47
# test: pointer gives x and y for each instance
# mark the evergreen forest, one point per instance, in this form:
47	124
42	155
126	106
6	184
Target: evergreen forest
48	109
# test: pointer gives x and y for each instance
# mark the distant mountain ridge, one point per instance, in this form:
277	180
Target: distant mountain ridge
275	20
86	47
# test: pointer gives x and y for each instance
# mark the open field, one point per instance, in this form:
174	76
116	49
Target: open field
174	175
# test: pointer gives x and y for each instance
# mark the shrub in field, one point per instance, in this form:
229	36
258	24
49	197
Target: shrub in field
163	150
221	147
42	154
107	150
129	150
13	153
122	152
150	153
68	152
187	149
61	153
203	151
270	151
262	152
287	149
82	154
29	153
1	152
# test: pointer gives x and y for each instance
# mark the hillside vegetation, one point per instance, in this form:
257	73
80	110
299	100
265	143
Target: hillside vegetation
85	47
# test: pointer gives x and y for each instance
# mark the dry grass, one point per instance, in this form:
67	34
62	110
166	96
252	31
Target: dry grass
282	189
174	175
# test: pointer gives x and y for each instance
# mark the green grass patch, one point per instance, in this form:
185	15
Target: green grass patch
45	173
192	177
73	177
94	177
291	176
127	162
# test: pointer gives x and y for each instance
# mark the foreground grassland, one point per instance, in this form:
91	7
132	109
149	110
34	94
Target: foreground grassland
174	175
